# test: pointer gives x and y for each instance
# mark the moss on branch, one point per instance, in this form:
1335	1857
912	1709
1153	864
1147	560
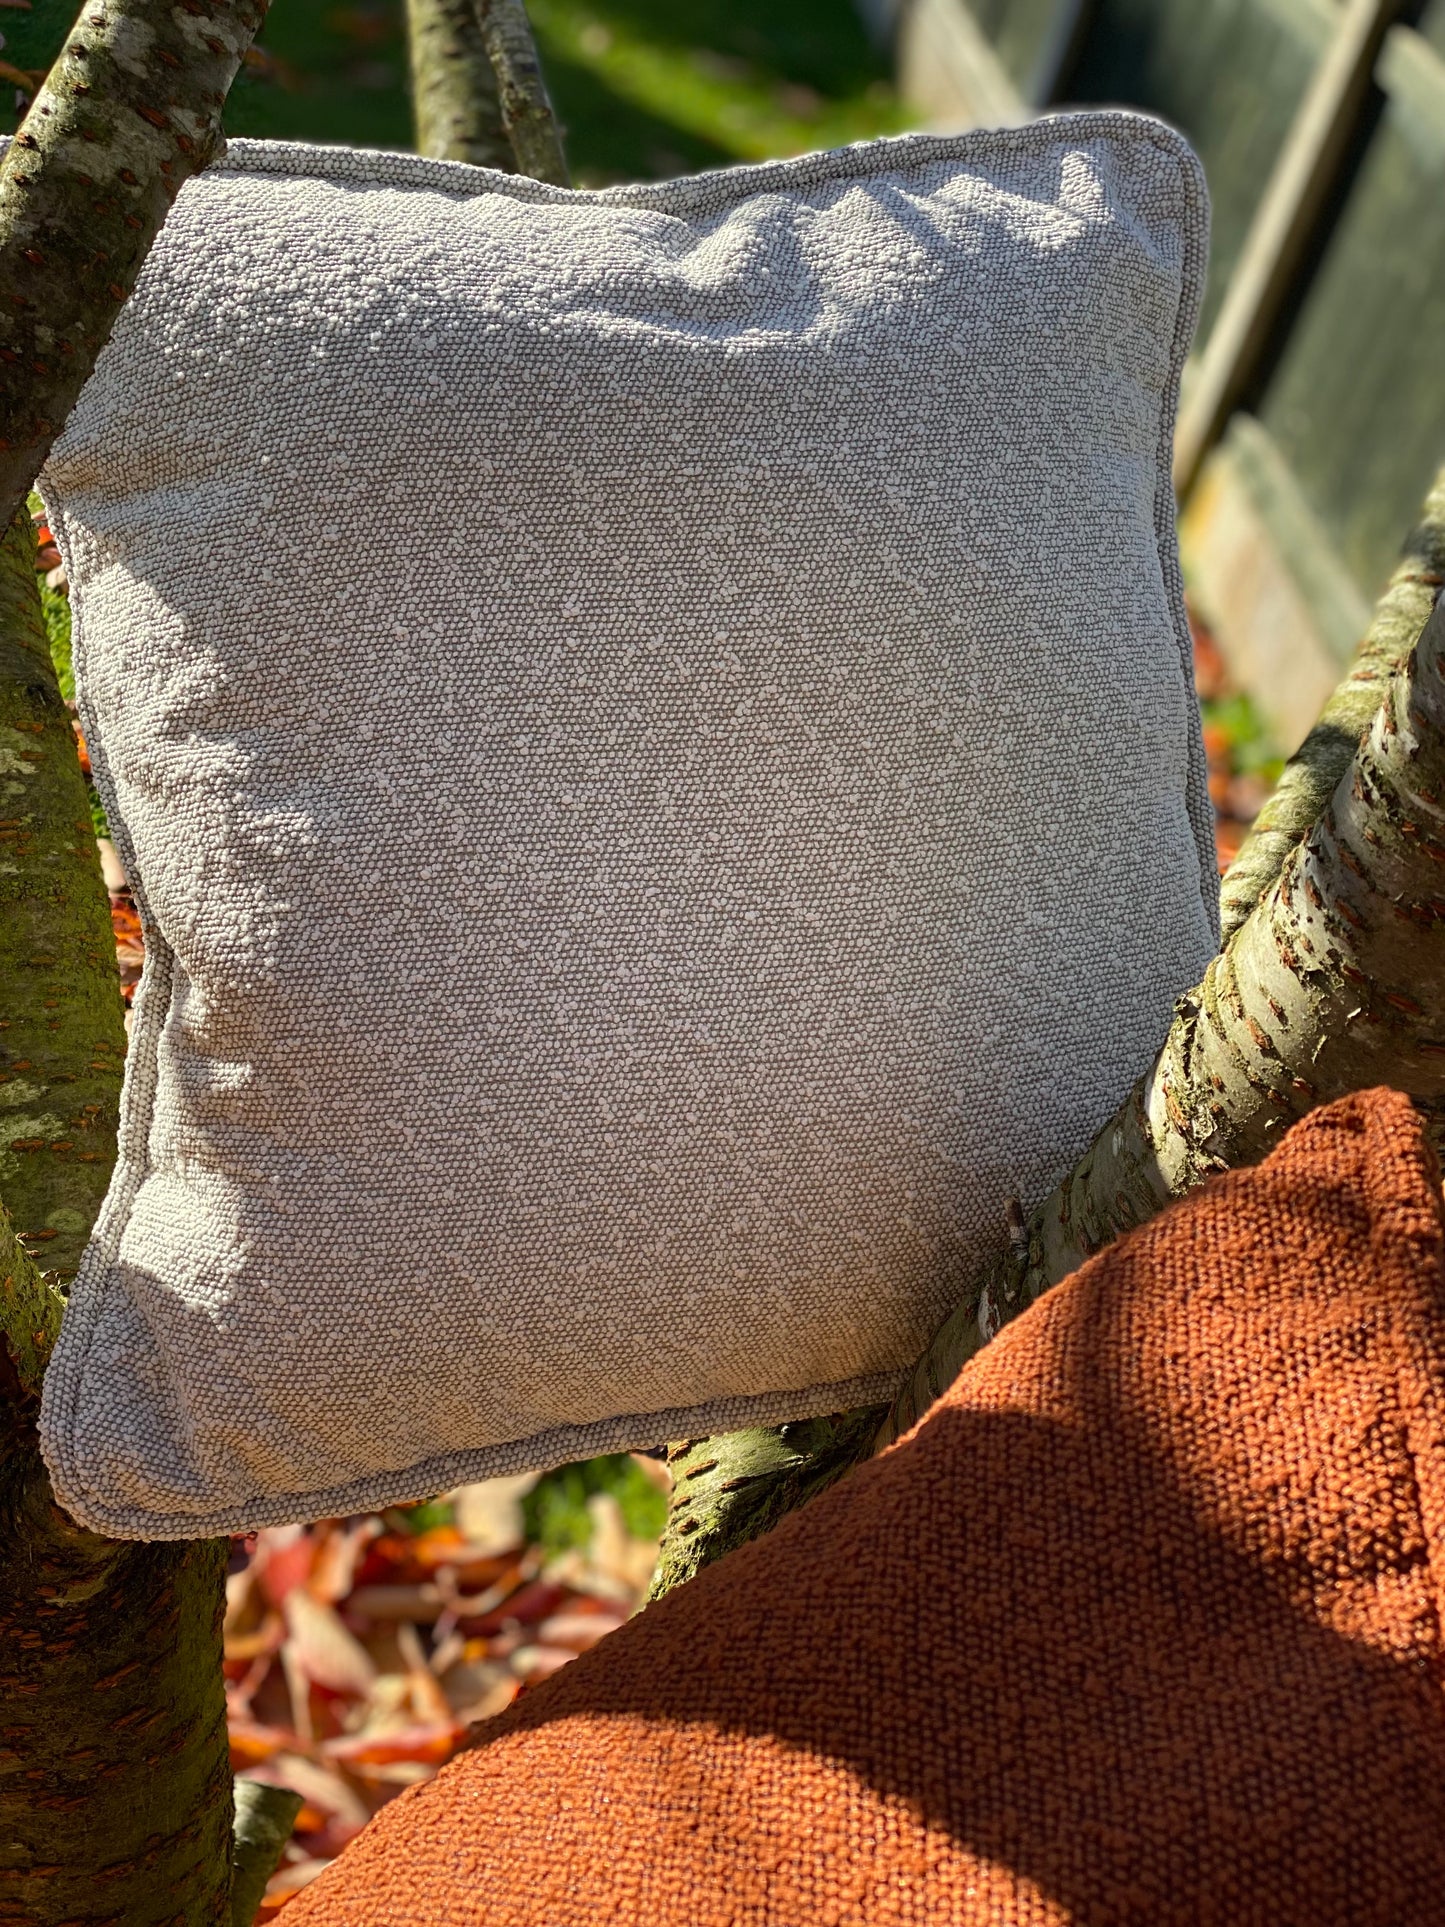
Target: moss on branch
62	1030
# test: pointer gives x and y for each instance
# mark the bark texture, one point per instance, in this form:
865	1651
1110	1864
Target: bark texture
130	110
115	1801
742	1483
265	1816
114	1773
115	1791
453	91
62	1031
1322	758
1216	1095
527	111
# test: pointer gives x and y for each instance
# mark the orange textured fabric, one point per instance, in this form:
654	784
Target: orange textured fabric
1141	1625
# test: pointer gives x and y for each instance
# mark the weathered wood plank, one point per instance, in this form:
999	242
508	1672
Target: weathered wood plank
949	72
1264	575
1285	222
1229	73
1356	405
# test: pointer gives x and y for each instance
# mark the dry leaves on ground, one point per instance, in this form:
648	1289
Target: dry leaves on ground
359	1651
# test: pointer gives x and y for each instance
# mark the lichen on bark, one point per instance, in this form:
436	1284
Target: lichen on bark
129	111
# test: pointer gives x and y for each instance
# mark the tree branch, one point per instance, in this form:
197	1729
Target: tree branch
62	1030
265	1816
1312	772
1336	981
114	1751
130	110
453	90
527	111
737	1485
115	1788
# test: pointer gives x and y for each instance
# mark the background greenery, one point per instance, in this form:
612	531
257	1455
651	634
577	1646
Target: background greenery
645	87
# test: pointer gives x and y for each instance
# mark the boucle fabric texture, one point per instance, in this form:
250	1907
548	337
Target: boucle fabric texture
609	988
1140	1627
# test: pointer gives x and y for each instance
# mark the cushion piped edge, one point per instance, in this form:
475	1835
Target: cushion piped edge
716	189
696	194
558	1445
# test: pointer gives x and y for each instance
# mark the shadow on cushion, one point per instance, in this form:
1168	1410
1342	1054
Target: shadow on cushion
1141	1625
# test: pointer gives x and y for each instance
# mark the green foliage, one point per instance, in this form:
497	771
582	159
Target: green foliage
420	1518
555	1510
326	73
56	609
1252	748
643	87
32	40
647	88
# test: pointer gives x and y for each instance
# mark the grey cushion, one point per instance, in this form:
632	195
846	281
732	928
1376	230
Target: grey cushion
652	731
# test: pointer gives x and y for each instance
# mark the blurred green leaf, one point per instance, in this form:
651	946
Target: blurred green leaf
555	1510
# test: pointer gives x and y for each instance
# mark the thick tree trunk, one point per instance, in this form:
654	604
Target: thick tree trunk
453	92
130	110
62	1032
115	1784
1335	981
115	1792
114	1775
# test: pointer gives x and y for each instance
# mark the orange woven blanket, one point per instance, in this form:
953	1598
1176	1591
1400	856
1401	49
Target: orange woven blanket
1140	1626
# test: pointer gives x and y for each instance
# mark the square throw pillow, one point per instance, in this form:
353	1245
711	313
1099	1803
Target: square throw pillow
605	980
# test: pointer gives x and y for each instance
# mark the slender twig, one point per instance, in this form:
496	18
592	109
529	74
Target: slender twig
527	111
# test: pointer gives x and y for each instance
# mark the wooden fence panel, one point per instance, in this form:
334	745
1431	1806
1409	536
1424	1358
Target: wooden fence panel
1229	73
1356	405
1314	417
1024	34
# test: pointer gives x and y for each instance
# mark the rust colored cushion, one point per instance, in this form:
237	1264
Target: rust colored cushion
1140	1626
